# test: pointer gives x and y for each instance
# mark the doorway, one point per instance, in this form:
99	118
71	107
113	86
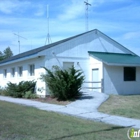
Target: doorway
96	82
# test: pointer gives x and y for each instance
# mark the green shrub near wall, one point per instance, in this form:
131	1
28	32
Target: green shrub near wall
3	91
20	90
63	84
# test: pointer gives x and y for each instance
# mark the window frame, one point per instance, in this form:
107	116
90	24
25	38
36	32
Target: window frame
13	72
129	74
5	73
20	71
32	70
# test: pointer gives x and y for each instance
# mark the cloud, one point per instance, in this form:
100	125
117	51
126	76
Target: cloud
76	9
12	6
72	11
9	6
40	10
132	35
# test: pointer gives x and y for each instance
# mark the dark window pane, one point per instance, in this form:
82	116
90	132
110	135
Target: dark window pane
129	73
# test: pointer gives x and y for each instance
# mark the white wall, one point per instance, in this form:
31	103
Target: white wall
95	64
79	63
115	84
38	62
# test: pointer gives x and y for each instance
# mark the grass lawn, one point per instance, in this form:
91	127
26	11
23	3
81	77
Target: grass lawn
26	123
128	106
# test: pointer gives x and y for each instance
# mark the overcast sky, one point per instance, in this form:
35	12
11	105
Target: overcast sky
119	19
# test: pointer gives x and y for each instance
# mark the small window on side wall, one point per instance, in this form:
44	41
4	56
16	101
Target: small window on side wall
32	70
5	73
129	73
13	72
20	69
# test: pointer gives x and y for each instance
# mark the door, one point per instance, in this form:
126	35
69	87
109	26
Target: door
96	85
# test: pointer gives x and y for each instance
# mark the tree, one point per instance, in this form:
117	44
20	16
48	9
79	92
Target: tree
7	53
1	56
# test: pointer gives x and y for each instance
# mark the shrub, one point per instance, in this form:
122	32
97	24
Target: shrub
30	95
63	84
19	90
3	91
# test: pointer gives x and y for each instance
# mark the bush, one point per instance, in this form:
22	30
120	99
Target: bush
63	84
3	91
30	95
19	90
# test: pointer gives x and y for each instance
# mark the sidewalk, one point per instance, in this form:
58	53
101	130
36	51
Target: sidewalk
85	108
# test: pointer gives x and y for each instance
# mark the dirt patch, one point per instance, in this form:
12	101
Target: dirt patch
50	100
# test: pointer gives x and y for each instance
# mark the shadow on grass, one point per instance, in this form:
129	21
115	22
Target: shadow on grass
90	132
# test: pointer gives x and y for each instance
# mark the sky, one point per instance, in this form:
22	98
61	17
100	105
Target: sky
119	19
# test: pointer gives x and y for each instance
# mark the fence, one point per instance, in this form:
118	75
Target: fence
94	85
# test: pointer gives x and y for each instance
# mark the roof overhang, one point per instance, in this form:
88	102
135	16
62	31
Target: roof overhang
124	65
116	59
21	59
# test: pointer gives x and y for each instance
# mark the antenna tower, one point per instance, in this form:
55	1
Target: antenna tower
48	39
19	39
86	13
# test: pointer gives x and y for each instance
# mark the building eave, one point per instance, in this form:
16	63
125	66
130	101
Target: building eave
130	63
122	65
21	59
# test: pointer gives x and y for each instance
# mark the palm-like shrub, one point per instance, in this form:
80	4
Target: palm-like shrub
63	84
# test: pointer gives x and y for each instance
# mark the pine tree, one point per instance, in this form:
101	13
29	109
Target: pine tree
7	53
1	56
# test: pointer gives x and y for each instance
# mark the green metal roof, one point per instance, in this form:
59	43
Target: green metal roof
116	58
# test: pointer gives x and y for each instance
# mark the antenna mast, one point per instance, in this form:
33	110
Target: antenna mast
19	39
48	39
86	13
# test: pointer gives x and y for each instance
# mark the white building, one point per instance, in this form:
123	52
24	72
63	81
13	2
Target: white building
113	68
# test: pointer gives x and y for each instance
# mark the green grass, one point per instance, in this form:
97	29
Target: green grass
128	106
26	123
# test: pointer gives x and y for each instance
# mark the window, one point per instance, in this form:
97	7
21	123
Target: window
13	72
20	69
129	74
31	70
5	73
67	65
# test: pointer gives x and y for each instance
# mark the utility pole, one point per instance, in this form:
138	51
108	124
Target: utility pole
86	13
19	39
